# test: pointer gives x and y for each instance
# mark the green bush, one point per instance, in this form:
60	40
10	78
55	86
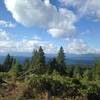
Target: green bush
61	86
55	84
4	75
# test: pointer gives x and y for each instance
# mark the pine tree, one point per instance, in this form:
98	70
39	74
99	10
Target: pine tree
61	61
52	64
41	55
38	58
61	57
8	62
1	68
34	58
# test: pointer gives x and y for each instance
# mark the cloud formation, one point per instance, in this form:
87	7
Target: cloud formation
10	44
3	35
78	46
6	24
85	7
59	23
41	13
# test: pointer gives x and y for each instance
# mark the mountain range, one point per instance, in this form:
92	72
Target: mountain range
69	58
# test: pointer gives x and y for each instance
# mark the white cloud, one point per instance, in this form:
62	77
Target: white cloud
43	14
6	24
10	44
78	46
36	37
3	35
97	51
85	7
50	48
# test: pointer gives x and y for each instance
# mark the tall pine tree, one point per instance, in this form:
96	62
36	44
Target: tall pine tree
41	56
7	63
61	61
38	58
52	65
34	58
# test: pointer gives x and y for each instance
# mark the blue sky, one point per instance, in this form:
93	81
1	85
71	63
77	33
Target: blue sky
27	24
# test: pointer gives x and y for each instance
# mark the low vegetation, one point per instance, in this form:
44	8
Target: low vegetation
55	80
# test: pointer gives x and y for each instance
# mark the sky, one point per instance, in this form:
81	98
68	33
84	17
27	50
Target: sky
27	24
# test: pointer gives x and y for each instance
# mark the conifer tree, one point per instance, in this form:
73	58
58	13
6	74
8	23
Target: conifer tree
38	58
34	58
8	62
61	60
52	64
41	55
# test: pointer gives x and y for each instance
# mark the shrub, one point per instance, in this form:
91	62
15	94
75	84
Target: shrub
4	75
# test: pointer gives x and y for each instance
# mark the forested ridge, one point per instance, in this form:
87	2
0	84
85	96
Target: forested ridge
54	80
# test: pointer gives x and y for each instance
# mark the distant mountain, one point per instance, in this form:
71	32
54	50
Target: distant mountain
21	59
69	58
82	58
